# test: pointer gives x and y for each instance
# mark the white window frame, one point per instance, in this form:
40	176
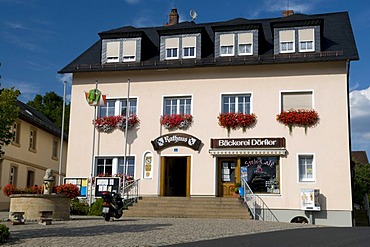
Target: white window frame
296	91
306	42
237	95
229	50
115	163
245	53
282	44
13	174
118	107
128	58
189	56
243	42
177	98
33	139
305	179
16	129
171	55
113	59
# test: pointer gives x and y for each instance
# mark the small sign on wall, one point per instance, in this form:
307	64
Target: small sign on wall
148	165
310	200
110	184
81	183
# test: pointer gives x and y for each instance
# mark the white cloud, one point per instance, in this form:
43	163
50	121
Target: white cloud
28	90
132	1
66	78
360	119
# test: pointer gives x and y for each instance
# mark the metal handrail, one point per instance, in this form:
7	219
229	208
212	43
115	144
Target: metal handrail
130	192
255	204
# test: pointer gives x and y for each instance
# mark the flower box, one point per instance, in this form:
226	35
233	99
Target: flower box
173	121
232	120
109	123
298	118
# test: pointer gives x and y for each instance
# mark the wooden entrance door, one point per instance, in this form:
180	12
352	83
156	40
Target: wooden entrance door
229	174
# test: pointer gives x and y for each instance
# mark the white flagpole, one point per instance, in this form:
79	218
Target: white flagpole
126	130
93	153
62	136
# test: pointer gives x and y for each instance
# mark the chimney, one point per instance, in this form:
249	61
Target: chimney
174	18
288	13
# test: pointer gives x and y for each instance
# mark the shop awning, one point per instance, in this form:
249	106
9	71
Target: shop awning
249	152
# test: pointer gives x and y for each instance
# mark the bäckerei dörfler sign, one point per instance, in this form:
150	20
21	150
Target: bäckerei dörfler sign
248	143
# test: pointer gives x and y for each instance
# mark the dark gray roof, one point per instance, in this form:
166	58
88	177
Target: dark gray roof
32	116
337	43
359	157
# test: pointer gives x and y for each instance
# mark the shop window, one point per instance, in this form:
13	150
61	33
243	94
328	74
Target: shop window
115	107
16	130
33	135
306	168
177	105
236	103
261	174
296	100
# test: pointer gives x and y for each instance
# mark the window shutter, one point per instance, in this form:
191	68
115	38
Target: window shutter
306	34
286	36
245	38
227	40
299	100
129	48
188	41
112	49
172	43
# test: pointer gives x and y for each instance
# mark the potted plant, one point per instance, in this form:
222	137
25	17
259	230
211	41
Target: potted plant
109	123
298	118
232	120
173	121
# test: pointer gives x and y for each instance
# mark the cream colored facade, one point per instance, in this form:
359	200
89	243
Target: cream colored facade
23	166
328	142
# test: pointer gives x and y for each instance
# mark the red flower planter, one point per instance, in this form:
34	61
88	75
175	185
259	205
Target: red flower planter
298	118
233	120
173	121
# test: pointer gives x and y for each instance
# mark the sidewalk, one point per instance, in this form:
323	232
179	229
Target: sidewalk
94	231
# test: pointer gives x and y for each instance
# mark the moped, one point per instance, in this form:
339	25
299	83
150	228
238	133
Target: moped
112	205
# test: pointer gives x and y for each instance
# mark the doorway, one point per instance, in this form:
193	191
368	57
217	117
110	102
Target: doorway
228	175
175	176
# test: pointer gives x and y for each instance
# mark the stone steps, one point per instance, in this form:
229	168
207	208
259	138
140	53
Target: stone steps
184	207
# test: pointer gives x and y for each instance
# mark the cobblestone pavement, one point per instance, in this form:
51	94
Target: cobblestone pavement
94	231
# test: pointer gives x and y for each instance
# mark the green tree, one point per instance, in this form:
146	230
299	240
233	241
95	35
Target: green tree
51	106
361	182
8	113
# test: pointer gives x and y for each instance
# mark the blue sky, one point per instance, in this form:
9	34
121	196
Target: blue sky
39	37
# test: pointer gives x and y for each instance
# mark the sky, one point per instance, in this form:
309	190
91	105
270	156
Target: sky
40	37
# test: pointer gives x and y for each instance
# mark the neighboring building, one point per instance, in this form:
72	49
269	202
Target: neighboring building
359	157
260	66
35	147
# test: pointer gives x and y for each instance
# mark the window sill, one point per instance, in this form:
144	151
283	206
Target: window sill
54	158
16	144
32	150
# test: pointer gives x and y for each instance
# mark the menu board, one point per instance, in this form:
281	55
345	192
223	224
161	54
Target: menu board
110	184
81	184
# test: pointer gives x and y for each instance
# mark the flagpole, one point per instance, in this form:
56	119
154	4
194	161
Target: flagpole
126	130
62	135
93	151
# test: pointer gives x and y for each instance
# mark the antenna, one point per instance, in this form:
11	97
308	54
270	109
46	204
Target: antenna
193	15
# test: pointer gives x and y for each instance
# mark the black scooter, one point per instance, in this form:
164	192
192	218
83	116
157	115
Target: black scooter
112	205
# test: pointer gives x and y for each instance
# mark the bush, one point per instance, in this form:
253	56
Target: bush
79	207
4	233
96	208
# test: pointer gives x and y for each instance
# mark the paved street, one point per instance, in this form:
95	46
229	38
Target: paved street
94	231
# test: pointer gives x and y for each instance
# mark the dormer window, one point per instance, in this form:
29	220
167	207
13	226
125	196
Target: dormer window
245	42
286	39
188	44
306	40
129	51
172	47
227	45
113	51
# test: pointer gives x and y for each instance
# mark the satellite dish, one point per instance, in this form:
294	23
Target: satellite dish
193	15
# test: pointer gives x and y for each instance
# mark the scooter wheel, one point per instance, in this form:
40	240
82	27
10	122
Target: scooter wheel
118	215
106	217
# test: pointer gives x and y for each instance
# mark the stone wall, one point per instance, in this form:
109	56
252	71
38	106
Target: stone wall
32	204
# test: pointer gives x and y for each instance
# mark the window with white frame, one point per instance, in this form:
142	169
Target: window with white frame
306	168
296	100
115	165
245	41
188	44
172	47
113	50
306	40
177	105
13	175
236	103
16	130
227	44
115	107
129	51
286	39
